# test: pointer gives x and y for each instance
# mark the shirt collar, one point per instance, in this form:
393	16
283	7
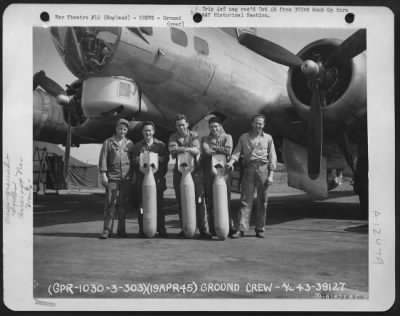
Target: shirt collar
210	136
143	142
155	141
114	140
178	135
262	134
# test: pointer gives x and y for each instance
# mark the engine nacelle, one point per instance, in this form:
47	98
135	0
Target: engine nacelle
345	97
107	97
48	118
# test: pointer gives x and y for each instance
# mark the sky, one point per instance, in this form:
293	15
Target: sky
45	57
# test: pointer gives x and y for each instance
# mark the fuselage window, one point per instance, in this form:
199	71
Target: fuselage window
201	46
179	37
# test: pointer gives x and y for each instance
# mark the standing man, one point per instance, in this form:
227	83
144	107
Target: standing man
185	140
116	174
151	144
217	142
259	162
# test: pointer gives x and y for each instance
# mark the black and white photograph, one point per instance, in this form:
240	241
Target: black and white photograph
175	162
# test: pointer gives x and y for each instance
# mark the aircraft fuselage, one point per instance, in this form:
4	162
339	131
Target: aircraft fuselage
195	71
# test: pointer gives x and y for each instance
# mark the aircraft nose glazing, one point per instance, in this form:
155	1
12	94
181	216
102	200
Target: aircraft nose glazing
86	50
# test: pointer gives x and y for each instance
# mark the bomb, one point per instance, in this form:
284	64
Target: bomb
149	165
220	197
188	198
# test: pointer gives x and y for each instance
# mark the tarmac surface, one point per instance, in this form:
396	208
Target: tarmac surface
312	249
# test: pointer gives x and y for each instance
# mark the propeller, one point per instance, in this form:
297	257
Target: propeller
319	74
270	50
355	44
54	89
67	152
314	133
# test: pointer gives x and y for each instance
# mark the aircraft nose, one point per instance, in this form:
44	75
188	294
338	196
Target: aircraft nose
86	50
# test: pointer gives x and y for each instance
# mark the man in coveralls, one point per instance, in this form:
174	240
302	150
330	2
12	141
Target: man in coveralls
151	144
185	140
116	174
259	162
217	142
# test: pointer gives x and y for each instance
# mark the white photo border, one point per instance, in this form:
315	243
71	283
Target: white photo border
18	23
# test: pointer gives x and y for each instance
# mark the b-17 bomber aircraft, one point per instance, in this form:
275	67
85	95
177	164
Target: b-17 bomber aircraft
145	73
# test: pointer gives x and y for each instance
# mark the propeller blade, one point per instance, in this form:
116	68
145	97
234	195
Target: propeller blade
270	50
351	47
67	150
47	84
315	132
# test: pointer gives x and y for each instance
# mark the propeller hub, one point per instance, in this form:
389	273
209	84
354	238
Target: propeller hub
63	100
310	69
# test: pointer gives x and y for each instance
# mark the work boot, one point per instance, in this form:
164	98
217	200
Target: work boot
163	233
235	235
260	234
122	235
105	234
205	235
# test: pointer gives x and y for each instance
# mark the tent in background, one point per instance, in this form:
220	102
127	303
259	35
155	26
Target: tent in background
81	174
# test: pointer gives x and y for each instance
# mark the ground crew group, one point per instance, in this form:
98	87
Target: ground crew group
120	161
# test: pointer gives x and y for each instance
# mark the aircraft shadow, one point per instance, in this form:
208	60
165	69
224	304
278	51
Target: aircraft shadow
78	208
129	236
79	235
295	207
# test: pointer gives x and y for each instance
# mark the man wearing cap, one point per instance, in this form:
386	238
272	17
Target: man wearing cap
116	174
185	140
217	142
259	162
151	144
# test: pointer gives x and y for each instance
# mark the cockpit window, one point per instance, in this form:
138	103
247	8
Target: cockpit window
179	37
200	46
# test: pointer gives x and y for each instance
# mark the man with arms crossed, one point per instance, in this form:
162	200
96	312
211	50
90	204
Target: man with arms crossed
259	162
185	140
217	142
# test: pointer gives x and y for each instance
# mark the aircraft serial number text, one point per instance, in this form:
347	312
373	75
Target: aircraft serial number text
193	287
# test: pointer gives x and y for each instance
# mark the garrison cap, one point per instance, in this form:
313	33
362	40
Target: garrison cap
122	121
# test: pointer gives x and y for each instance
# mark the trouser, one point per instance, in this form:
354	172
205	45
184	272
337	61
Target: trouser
160	187
208	184
254	178
201	214
116	198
